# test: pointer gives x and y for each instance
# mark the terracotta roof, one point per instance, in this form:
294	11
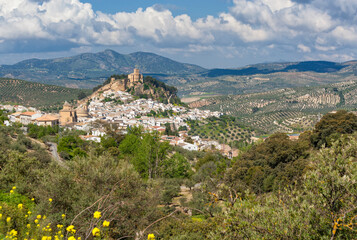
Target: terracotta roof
28	113
46	118
16	113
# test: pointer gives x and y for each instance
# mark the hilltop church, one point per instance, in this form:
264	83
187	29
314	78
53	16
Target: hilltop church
69	115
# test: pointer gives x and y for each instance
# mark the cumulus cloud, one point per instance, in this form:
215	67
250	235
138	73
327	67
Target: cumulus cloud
304	48
312	27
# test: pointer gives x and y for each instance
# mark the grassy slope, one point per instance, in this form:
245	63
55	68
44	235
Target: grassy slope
35	94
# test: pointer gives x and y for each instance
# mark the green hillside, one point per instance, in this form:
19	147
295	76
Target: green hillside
17	91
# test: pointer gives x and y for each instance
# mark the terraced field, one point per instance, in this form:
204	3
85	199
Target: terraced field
225	129
35	94
285	110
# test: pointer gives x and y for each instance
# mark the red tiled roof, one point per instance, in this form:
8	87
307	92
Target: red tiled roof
28	113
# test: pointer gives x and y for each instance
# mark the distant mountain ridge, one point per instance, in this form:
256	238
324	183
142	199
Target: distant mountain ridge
89	69
268	68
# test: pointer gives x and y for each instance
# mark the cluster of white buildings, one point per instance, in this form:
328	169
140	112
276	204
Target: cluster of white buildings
28	115
198	144
139	112
122	115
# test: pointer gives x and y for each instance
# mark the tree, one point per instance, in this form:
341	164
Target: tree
71	146
81	95
331	126
323	206
332	188
98	183
269	165
176	166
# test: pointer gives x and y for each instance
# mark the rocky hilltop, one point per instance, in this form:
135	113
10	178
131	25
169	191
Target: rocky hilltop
138	86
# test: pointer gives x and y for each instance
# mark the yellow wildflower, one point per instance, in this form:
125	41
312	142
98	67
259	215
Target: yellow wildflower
38	216
14	187
36	221
50	199
13	232
106	223
8	219
0	207
71	238
96	232
28	225
59	226
32	199
63	215
71	229
11	191
151	236
97	214
20	206
29	212
0	215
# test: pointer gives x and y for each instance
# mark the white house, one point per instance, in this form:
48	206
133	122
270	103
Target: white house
189	146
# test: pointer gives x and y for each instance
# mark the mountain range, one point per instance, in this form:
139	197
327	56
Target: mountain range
88	70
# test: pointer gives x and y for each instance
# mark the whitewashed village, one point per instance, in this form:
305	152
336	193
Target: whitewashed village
112	105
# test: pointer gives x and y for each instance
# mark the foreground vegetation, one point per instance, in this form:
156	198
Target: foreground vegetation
276	189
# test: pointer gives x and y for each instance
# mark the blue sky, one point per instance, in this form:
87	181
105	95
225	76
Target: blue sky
194	8
211	33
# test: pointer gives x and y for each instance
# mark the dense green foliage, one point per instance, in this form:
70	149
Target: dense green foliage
276	189
158	84
331	126
162	92
150	156
270	165
3	116
42	132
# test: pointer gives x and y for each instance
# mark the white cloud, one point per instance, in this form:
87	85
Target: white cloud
311	27
336	57
304	48
278	5
345	34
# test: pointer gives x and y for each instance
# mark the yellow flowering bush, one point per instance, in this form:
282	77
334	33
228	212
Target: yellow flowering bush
18	222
